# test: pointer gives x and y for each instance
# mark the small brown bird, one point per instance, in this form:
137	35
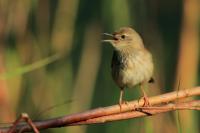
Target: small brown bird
132	63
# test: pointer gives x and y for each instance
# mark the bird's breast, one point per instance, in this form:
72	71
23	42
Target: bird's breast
131	69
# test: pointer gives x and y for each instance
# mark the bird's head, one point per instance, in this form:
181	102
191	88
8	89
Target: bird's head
125	37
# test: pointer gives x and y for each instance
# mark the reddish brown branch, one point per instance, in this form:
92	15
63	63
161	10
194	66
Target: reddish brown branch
112	113
142	111
25	117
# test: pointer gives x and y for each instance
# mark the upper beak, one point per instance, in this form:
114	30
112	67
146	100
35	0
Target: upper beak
108	35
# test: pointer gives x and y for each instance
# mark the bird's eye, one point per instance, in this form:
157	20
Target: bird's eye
123	36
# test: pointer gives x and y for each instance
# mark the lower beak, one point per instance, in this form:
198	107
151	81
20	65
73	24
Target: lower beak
106	40
108	35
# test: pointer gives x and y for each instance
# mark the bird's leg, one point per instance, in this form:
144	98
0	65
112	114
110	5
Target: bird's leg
145	97
121	101
121	97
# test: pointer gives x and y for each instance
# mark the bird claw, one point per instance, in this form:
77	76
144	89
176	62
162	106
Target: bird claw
146	101
121	103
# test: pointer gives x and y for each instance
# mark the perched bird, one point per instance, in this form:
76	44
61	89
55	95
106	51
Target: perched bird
132	63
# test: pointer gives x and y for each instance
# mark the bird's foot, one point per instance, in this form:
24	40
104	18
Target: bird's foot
146	101
121	103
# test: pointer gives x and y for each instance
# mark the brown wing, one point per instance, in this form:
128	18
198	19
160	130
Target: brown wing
115	60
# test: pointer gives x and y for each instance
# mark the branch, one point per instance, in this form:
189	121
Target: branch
142	111
131	110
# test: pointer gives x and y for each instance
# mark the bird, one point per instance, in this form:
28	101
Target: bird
132	64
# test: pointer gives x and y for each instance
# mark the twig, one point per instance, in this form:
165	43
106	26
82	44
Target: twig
25	117
114	111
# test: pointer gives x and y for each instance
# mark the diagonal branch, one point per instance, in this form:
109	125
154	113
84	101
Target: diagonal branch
142	111
111	113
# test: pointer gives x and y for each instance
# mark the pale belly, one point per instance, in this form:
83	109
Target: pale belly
133	71
132	77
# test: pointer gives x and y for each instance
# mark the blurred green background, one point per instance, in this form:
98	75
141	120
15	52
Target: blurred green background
51	55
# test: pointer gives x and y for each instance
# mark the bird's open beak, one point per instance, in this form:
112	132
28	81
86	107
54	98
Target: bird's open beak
109	37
